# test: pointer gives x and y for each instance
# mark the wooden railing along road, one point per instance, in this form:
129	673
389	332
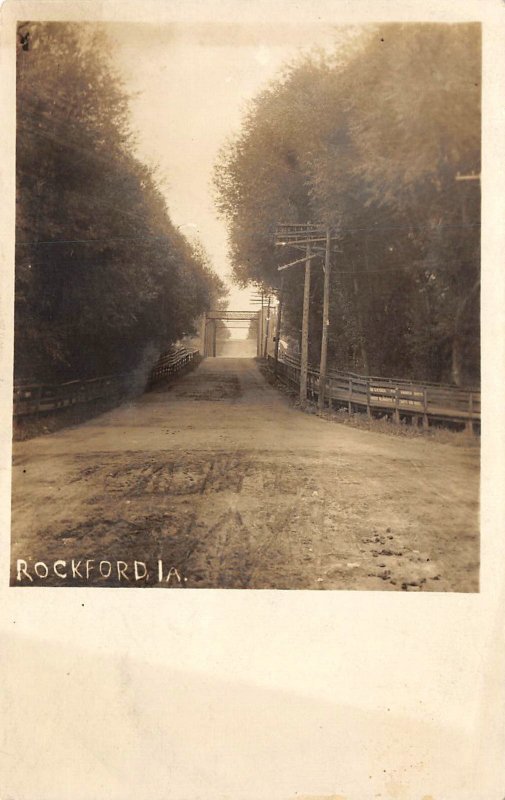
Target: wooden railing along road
423	402
398	398
170	363
40	398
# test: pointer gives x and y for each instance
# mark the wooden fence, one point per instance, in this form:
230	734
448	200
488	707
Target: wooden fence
171	363
398	398
39	398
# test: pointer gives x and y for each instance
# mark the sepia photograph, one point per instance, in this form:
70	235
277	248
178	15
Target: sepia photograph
247	306
252	337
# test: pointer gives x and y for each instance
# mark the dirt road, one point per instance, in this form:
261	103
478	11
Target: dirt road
218	482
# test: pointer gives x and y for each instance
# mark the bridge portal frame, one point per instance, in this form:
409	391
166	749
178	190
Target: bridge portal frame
208	338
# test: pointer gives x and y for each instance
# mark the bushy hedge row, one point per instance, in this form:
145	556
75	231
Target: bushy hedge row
103	277
370	140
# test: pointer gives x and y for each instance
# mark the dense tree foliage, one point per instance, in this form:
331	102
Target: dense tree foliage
370	141
102	274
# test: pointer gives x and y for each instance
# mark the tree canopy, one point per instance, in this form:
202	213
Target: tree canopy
102	273
370	140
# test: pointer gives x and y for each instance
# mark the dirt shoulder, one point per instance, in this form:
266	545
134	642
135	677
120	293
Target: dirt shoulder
227	485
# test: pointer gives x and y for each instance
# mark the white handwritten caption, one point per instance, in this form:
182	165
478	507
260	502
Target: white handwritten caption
92	568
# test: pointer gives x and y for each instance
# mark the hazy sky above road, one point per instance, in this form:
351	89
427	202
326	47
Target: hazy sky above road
191	84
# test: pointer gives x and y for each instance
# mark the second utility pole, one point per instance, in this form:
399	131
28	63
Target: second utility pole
326	322
278	323
305	330
267	330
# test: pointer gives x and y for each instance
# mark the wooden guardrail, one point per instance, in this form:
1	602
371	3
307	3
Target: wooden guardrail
37	398
421	402
170	363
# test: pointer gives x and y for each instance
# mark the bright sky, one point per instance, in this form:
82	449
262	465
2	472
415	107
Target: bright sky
191	85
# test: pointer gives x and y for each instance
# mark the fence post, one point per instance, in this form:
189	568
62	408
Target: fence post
368	411
349	402
396	412
426	421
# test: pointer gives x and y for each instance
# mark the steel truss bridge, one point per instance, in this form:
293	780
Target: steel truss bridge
232	315
209	327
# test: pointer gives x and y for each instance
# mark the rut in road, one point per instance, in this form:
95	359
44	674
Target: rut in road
220	478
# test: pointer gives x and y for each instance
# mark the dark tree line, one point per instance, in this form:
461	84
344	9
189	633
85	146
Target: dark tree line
102	274
371	141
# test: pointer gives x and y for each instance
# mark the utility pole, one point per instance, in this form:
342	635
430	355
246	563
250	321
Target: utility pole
257	300
305	236
278	324
260	331
326	322
267	328
203	328
305	329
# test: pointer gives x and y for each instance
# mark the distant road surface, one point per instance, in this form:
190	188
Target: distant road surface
216	481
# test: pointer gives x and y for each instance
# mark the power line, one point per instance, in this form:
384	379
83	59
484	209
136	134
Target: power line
380	271
97	241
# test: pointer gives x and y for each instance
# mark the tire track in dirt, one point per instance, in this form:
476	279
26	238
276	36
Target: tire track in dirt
239	491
